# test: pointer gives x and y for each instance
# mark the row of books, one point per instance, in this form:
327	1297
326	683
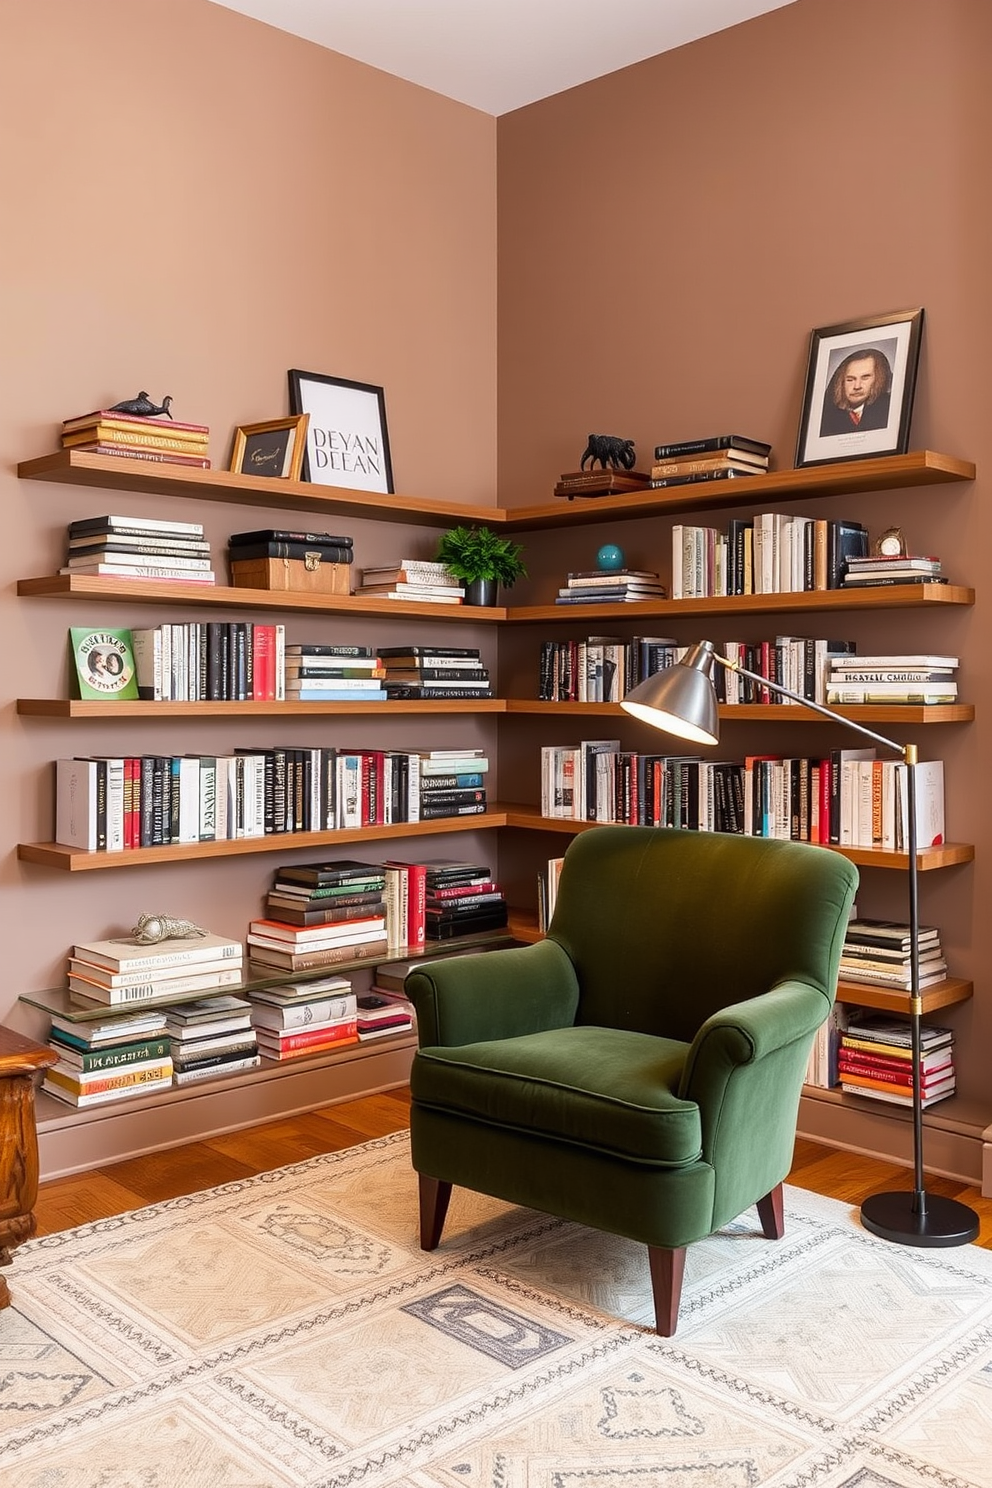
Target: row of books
209	661
771	553
413	579
848	798
124	547
603	586
113	804
113	431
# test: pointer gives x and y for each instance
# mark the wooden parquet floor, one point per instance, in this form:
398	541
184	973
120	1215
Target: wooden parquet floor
102	1192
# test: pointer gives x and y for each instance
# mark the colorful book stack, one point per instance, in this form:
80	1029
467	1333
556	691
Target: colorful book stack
617	586
413	579
211	1037
878	569
452	783
108	431
320	674
771	553
381	1013
722	457
877	952
434	672
321	914
117	972
100	1062
922	679
875	1059
122	547
304	1018
462	899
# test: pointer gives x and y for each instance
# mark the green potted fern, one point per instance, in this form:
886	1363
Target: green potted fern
482	560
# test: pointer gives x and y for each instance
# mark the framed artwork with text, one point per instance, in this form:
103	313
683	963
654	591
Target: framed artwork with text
860	382
347	442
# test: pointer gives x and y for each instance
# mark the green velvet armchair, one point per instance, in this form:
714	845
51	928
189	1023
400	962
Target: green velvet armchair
639	1070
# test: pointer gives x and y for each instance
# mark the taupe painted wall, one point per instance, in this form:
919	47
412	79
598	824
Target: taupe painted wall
194	203
669	235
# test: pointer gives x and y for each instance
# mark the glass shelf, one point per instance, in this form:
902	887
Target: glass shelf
60	1002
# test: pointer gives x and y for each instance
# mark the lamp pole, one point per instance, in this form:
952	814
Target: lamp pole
682	700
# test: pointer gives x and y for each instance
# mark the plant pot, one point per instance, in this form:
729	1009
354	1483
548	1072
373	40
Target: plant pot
481	592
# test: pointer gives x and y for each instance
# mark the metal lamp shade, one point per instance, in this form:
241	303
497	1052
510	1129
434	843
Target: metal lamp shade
681	699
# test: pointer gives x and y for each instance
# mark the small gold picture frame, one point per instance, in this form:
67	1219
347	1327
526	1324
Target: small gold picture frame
274	448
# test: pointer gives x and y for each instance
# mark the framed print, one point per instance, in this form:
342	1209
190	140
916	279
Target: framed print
859	389
274	448
347	443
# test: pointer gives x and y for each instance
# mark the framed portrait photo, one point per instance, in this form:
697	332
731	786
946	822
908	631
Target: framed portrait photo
347	443
274	448
860	383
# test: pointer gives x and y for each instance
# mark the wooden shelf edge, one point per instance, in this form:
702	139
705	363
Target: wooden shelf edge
74	708
82	467
944	994
171	592
78	860
910	713
528	819
804	601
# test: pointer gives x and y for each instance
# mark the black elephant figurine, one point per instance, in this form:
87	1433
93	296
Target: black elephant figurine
611	452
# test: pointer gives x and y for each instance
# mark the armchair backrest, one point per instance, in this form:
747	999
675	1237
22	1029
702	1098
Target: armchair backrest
665	927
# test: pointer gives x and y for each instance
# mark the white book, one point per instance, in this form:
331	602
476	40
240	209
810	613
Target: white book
114	786
188	779
141	571
76	803
121	955
218	1071
309	1014
81	980
146	647
139	524
146	560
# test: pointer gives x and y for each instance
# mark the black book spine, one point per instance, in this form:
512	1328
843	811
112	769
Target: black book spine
432	812
172	791
707	446
101	805
158	801
457	797
241	552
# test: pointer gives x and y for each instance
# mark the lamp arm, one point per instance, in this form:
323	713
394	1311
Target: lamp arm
777	687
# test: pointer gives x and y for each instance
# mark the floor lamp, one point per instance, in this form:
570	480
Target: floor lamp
682	700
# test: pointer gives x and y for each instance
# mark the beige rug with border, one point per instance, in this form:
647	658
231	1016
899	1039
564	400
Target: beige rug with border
287	1332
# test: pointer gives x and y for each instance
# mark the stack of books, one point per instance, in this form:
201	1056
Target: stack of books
452	783
121	547
875	1059
462	899
107	431
321	914
413	579
434	672
599	586
319	673
273	542
381	1013
304	1018
100	1062
210	1038
866	571
877	953
117	972
600	482
923	679
722	457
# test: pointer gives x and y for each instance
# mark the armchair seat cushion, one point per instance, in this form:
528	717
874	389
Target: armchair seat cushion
609	1089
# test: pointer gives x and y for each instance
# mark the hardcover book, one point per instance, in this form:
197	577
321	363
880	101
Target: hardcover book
102	662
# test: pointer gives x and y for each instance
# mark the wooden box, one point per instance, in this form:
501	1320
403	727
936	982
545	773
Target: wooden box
305	576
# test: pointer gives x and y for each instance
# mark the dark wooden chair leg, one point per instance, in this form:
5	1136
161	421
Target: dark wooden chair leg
667	1269
434	1196
772	1214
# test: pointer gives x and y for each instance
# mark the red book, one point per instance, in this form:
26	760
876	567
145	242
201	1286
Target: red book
263	686
140	421
306	1040
416	920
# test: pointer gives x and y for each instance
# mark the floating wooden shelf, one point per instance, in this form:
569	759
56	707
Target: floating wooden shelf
166	592
942	994
98	708
78	860
882	473
762	712
529	819
806	601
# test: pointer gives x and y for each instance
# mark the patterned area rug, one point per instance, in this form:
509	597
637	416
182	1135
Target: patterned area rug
287	1332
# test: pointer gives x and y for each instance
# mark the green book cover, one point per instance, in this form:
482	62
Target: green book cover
102	662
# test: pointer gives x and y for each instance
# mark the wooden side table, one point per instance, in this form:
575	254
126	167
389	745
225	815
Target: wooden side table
20	1060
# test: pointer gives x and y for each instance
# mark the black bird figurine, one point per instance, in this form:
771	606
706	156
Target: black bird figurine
142	405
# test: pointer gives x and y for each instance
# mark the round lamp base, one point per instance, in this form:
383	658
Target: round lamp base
897	1217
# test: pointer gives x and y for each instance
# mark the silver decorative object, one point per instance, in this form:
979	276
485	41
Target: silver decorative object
151	929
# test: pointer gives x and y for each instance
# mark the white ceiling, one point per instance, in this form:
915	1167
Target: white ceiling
497	55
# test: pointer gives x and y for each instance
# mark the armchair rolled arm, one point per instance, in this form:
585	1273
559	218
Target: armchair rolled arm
493	994
746	1033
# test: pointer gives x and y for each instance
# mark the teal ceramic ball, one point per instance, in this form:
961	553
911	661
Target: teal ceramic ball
610	557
